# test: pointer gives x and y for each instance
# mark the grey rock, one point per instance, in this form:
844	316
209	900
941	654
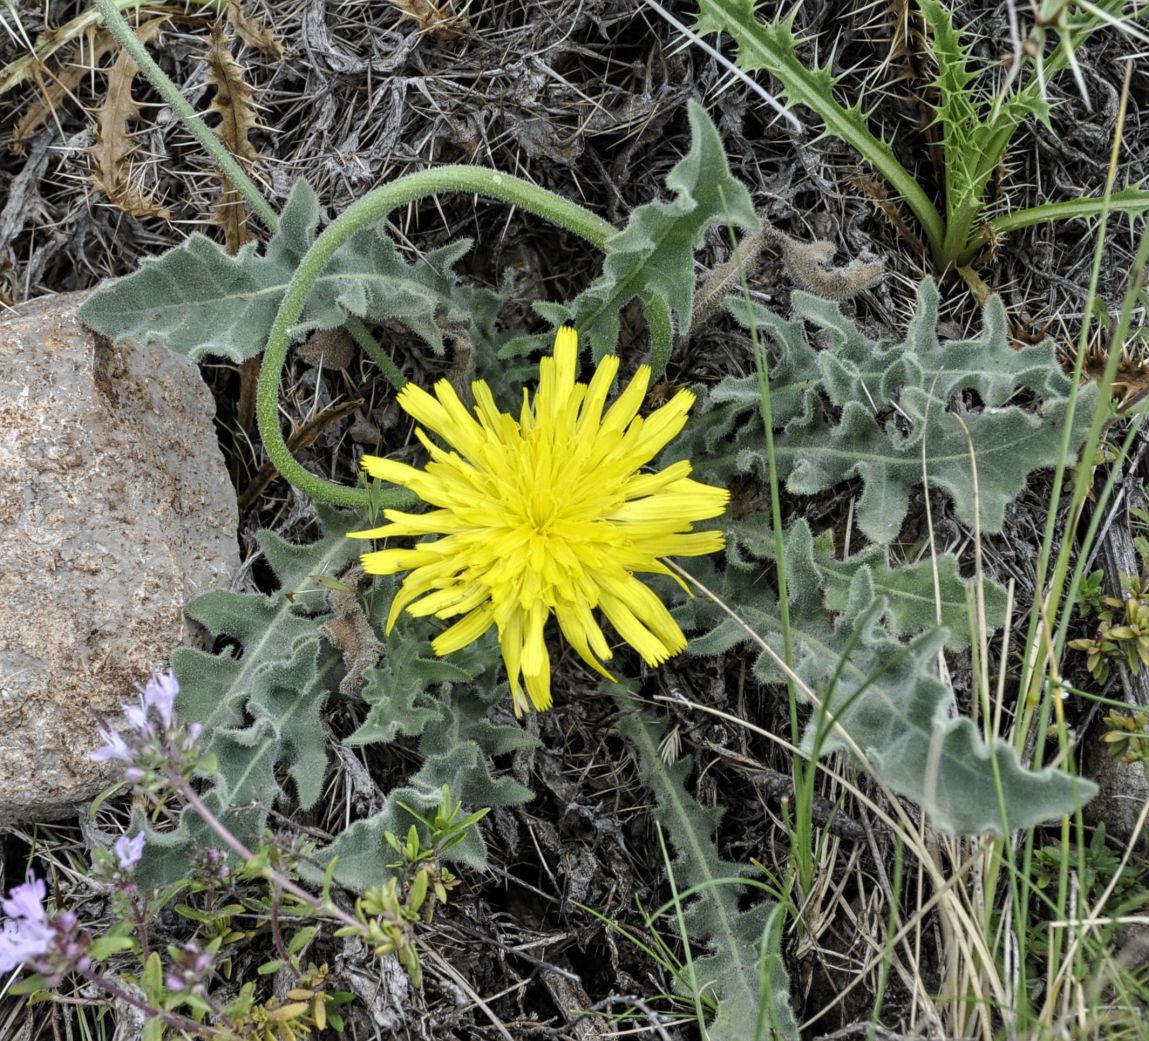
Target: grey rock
115	510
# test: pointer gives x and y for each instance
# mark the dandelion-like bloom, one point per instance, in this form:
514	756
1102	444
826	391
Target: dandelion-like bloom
549	514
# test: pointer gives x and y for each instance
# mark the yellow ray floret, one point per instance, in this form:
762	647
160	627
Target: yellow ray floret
547	514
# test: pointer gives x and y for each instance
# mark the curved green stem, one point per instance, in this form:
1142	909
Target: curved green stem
232	170
374	207
368	210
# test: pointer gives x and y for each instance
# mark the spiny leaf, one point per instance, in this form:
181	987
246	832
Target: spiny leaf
772	47
436	18
729	970
112	170
253	30
232	103
958	110
232	98
652	258
53	91
200	301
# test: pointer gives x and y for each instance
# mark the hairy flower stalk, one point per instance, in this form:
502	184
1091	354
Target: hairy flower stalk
548	514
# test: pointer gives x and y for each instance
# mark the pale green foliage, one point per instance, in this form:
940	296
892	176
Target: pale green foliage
884	694
910	602
260	706
895	408
202	302
446	704
741	967
860	408
652	258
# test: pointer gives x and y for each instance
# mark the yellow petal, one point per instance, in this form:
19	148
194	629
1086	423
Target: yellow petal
546	514
652	649
465	631
626	405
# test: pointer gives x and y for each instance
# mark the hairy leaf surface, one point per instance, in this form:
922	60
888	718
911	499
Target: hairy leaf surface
202	302
882	412
259	705
910	600
652	258
260	702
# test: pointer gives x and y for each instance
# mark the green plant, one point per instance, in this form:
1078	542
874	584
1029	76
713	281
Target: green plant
1101	866
1122	631
1127	736
740	971
261	710
161	754
886	414
862	633
977	119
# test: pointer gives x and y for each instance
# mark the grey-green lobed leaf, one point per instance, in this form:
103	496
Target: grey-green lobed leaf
200	301
881	412
445	704
911	600
260	705
883	694
653	256
846	406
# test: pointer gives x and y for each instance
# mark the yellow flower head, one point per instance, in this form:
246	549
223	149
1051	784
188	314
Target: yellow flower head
551	514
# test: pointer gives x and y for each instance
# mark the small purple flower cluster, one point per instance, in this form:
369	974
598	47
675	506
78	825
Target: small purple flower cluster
30	935
27	933
155	747
191	968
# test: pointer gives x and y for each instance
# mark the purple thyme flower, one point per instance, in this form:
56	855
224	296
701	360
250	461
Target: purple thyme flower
114	749
27	900
27	934
191	965
129	850
160	694
154	745
20	941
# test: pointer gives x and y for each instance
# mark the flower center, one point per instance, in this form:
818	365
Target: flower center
541	511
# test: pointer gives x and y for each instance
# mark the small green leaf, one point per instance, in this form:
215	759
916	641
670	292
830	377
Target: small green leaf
105	946
152	979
